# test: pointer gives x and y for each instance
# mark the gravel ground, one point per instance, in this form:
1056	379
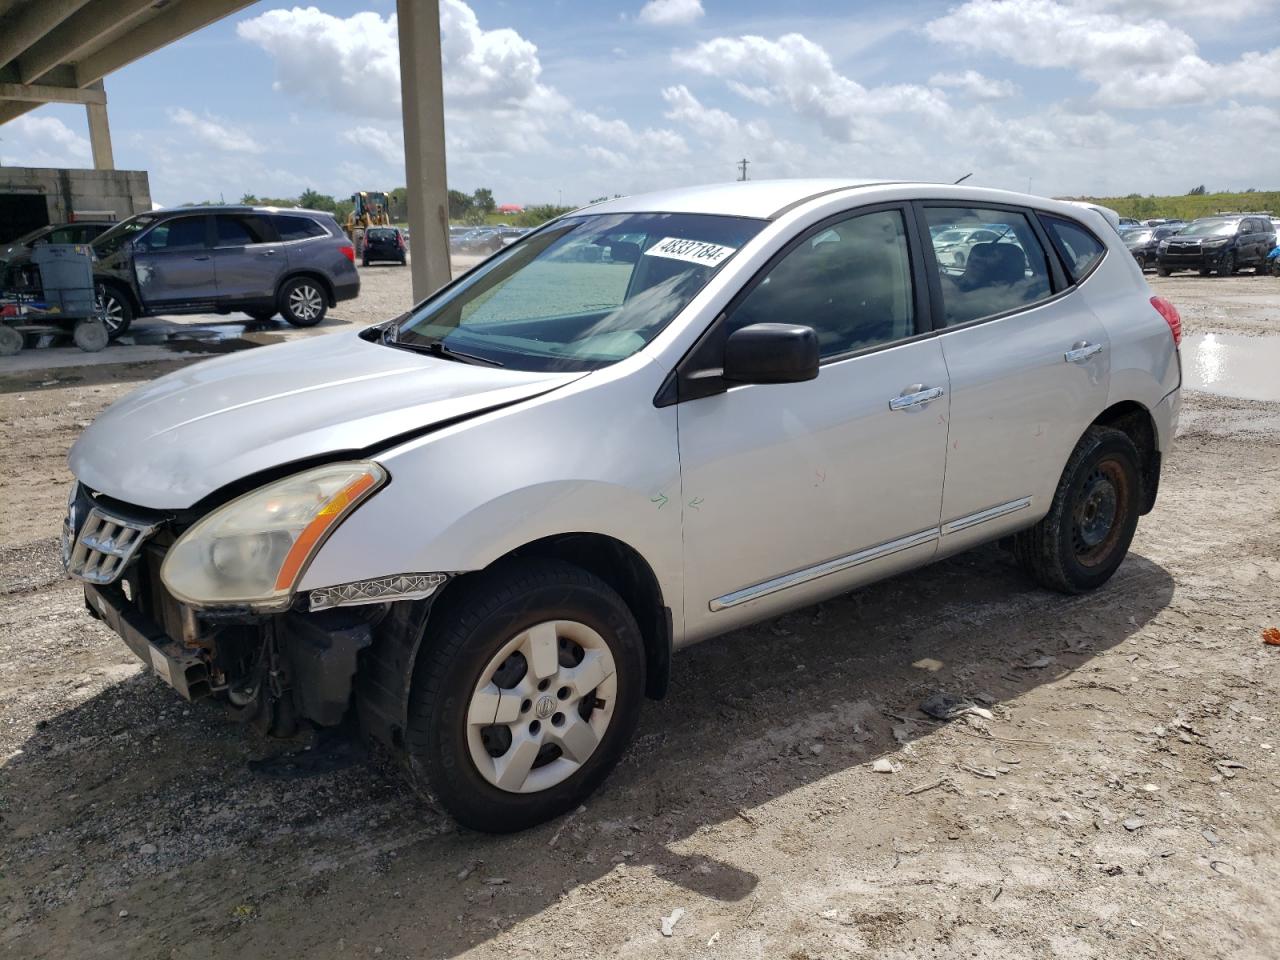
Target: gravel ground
1120	803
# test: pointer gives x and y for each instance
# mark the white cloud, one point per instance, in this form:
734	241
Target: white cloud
213	132
974	84
1133	63
386	145
36	141
670	13
800	73
1181	9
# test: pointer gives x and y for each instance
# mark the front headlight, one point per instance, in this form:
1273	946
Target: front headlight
1216	243
253	550
1164	244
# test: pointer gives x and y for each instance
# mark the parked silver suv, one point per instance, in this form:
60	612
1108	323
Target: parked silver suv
482	529
259	260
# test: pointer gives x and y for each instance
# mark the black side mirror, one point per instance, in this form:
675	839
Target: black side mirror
771	353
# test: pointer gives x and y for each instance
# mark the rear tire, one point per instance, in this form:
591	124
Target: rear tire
521	769
116	308
1086	534
11	341
1162	271
302	301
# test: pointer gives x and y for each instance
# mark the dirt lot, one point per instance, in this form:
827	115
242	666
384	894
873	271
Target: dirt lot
1122	803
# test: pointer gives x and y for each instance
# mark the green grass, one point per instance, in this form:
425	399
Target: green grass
1189	207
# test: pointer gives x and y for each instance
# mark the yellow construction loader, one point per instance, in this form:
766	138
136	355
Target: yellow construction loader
370	208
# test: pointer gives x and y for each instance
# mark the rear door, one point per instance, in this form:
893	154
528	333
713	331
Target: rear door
1029	370
173	263
248	258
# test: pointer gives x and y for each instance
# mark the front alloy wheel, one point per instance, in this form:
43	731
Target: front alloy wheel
1227	265
541	705
114	308
525	694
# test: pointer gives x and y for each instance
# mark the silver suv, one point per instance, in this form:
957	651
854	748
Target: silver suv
483	529
259	260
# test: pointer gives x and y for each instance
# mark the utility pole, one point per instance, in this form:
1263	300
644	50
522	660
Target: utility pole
742	168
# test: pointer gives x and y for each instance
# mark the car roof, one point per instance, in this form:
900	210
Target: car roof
761	199
240	208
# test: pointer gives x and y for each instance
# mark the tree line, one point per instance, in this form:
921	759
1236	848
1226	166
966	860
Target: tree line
475	208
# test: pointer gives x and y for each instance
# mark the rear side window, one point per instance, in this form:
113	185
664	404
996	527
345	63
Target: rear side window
1079	248
239	230
980	276
850	282
298	228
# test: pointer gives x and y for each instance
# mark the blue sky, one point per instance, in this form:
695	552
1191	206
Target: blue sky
573	99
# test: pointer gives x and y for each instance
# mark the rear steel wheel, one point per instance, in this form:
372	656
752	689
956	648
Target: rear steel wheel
1085	536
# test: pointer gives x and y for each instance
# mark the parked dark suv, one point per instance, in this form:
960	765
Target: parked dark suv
1222	244
384	243
260	260
1144	242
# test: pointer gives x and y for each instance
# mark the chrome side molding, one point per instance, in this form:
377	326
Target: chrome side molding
982	516
826	568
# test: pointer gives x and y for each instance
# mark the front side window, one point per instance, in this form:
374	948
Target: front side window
850	282
179	233
982	278
1079	248
582	293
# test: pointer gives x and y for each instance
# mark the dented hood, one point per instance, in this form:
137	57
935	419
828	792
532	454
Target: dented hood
174	441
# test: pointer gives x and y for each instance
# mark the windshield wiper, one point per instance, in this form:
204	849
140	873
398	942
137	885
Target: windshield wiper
437	348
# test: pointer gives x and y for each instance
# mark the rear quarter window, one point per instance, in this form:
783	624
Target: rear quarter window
1079	249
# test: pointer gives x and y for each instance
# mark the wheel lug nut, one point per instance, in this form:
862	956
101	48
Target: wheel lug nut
563	693
558	720
535	727
543	684
524	706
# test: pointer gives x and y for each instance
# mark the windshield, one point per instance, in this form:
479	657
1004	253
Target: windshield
113	239
1135	237
581	293
1210	228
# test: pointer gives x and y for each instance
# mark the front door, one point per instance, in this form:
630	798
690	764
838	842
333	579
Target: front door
1029	370
794	492
173	264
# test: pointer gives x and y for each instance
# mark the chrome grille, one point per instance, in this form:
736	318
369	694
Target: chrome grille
103	547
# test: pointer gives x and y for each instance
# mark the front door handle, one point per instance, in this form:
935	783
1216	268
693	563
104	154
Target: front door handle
1083	350
915	396
205	257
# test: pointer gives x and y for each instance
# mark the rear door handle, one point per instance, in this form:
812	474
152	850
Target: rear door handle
1082	351
915	396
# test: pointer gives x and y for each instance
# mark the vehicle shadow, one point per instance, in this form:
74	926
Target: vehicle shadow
133	800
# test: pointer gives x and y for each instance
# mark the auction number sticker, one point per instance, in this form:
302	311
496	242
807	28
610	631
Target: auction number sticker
693	251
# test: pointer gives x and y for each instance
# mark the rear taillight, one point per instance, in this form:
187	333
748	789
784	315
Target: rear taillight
1171	317
349	252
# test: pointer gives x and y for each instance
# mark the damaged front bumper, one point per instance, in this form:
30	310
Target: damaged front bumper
306	657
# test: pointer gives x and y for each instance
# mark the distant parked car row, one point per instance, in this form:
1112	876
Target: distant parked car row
483	239
1221	244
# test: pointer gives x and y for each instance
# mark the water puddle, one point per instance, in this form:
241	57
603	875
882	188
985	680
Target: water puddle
1231	365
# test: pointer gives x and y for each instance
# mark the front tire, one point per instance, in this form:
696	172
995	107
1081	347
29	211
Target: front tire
526	694
1227	265
1086	534
302	302
1162	271
115	307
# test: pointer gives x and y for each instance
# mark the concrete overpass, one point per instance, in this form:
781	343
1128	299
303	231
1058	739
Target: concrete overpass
60	51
